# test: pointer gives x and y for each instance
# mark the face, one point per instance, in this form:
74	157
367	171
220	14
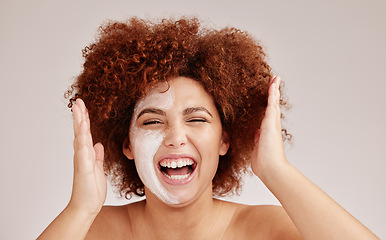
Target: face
176	138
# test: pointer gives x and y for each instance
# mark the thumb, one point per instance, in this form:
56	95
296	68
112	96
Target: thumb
99	154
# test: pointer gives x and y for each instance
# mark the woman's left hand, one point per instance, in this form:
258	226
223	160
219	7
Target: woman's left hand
313	212
268	152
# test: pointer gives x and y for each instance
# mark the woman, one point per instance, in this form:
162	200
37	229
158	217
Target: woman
178	113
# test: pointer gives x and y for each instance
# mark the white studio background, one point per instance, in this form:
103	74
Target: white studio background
331	54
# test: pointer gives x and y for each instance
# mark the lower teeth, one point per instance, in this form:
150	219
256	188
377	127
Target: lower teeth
177	177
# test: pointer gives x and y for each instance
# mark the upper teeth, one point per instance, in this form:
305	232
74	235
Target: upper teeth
175	164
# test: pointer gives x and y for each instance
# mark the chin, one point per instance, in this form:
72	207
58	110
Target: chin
188	195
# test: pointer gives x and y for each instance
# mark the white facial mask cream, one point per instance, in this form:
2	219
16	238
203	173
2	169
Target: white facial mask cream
145	144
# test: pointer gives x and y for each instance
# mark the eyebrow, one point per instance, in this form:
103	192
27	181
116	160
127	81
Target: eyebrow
196	109
151	110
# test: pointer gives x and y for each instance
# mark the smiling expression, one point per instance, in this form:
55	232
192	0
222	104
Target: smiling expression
176	138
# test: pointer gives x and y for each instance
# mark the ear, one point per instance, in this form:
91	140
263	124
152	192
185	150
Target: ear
126	149
224	146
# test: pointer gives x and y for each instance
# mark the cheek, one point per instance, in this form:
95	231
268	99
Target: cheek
207	139
208	143
145	144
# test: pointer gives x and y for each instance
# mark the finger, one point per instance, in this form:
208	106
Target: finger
85	125
84	111
257	135
277	82
272	113
86	119
77	115
274	93
78	110
271	80
82	134
99	154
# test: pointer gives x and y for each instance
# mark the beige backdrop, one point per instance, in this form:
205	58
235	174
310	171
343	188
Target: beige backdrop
331	55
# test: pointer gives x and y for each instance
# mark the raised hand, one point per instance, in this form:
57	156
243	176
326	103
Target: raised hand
89	186
313	212
268	152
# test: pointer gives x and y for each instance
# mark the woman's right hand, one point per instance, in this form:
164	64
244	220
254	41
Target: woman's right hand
89	186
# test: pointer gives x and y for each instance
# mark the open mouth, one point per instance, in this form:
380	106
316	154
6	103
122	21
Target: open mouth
177	169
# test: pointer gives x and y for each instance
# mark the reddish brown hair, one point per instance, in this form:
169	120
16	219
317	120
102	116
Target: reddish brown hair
128	58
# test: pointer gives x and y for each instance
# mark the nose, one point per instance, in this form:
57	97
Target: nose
175	136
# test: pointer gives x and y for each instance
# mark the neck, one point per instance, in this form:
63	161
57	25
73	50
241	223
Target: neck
187	221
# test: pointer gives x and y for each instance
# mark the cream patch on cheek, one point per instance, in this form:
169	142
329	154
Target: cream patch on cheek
145	144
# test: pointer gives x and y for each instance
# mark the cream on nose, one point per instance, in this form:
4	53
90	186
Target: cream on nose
175	137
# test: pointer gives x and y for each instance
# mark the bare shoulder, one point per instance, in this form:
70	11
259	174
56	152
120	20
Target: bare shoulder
264	222
112	223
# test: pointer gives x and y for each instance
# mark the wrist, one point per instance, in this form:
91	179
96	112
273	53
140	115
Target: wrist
268	172
71	223
80	213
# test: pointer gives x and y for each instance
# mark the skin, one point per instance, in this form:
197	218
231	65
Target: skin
307	212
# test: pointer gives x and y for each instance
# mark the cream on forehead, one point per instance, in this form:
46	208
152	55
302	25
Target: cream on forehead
145	144
156	98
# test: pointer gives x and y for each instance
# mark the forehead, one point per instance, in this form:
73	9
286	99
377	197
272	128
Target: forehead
179	91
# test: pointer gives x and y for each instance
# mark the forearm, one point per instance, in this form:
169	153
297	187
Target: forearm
313	212
69	224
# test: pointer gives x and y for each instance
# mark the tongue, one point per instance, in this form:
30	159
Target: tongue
177	171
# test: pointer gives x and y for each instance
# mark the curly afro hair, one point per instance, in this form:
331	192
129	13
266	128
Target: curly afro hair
129	58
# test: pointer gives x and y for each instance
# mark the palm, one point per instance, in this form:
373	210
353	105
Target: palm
89	188
269	150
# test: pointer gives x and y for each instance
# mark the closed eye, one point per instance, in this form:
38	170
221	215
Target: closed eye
151	122
197	120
